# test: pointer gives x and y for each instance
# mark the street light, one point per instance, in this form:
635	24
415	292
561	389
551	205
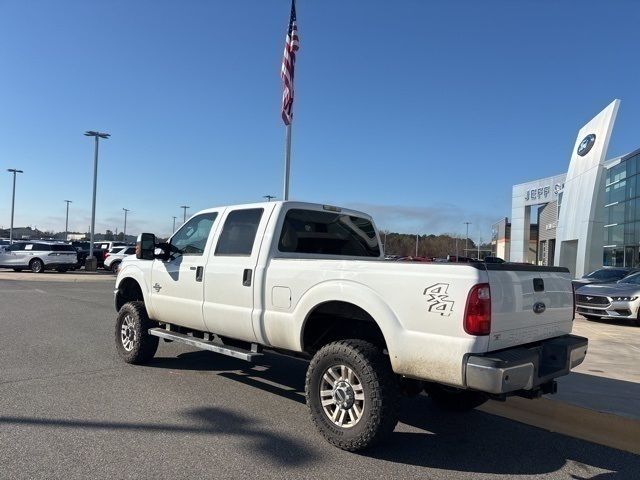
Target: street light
66	223
184	215
13	201
97	136
466	240
126	210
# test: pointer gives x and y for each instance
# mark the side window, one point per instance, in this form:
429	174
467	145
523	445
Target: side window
16	247
192	237
130	251
327	233
239	232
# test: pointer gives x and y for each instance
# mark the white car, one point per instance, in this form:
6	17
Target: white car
311	280
114	257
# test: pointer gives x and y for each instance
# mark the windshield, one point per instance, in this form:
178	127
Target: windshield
635	278
607	274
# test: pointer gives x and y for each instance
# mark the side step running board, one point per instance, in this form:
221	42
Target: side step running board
230	351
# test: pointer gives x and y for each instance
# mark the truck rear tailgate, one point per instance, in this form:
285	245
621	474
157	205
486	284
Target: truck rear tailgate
528	303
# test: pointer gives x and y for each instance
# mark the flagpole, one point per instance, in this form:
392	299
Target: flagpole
287	161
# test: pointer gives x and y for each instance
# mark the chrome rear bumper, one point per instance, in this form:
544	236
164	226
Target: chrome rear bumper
525	368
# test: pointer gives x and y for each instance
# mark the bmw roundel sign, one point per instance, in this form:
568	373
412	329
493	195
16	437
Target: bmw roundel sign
586	144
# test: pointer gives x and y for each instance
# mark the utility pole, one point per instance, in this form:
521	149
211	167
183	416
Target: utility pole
184	214
466	240
66	223
174	224
97	136
13	201
268	197
456	247
126	210
479	241
417	240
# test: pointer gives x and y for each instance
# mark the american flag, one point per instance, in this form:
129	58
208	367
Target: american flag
288	65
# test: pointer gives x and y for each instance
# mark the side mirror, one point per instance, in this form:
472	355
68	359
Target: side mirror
145	246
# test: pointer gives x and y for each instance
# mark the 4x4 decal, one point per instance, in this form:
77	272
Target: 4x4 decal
438	300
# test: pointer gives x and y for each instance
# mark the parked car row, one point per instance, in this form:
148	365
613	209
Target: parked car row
41	255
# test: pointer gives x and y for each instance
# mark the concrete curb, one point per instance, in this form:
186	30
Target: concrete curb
69	277
603	428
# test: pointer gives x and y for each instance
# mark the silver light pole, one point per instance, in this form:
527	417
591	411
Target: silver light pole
174	224
466	240
417	237
184	214
66	223
97	136
13	201
126	210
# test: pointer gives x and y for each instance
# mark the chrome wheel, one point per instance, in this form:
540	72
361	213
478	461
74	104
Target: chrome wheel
128	333
342	396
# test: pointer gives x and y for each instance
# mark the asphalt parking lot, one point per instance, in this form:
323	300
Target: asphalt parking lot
69	408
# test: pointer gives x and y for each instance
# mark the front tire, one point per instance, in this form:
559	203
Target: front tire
133	342
352	394
455	400
36	265
114	267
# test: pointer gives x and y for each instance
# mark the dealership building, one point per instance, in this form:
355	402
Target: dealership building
582	219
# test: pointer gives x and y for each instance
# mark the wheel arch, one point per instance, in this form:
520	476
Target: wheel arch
349	302
131	286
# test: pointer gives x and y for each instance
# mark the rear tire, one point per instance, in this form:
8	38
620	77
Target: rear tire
352	394
133	342
455	400
115	266
36	265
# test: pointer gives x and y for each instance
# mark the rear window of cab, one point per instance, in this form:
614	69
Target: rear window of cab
328	233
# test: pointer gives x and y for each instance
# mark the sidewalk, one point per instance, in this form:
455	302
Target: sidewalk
53	276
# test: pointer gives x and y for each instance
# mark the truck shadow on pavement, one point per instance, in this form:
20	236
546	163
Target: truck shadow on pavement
469	442
273	447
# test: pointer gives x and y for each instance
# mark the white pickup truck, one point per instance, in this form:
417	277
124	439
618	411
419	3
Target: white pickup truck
311	280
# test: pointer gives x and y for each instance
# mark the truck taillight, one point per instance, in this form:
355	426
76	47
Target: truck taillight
477	315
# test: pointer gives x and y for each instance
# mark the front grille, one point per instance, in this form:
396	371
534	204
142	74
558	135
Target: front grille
591	311
592	300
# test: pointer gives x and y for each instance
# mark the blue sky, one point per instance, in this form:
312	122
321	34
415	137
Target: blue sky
422	113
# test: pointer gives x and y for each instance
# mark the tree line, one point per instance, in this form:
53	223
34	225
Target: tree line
429	246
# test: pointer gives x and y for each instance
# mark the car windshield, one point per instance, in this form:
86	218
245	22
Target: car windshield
607	274
635	278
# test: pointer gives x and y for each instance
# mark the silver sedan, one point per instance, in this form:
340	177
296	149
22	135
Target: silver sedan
610	300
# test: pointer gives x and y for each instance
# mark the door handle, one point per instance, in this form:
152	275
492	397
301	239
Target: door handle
199	271
246	277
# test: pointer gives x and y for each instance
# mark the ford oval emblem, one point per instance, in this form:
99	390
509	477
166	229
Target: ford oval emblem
586	144
539	307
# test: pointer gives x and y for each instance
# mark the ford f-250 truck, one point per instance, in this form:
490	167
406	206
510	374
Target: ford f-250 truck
311	280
